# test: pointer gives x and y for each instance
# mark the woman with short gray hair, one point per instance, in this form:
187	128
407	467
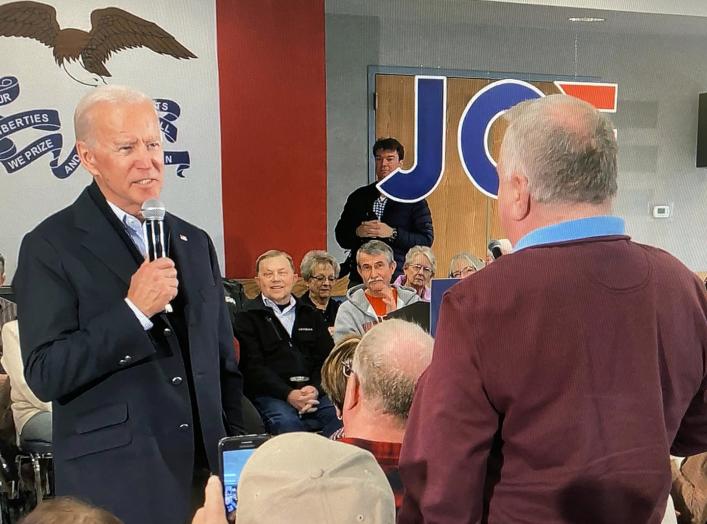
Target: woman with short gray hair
319	270
419	268
464	264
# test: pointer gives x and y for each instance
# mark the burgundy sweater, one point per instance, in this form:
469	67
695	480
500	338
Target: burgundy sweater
562	377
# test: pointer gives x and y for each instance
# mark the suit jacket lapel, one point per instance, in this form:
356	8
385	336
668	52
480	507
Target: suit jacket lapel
101	238
178	249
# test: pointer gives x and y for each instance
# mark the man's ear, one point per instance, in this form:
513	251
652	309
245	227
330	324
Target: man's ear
352	396
520	196
88	159
393	265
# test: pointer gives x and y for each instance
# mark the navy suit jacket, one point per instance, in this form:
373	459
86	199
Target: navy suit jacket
123	427
413	222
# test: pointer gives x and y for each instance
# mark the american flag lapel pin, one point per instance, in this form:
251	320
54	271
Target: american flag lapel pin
183	237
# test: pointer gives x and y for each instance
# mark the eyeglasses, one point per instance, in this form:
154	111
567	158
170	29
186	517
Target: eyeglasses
418	267
322	278
463	272
346	367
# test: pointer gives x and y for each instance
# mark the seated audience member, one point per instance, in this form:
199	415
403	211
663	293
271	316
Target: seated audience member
419	268
67	510
464	264
381	383
234	294
33	418
335	375
505	246
283	344
8	310
689	488
301	478
320	270
368	303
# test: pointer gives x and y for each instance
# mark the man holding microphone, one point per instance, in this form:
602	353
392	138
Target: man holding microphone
136	387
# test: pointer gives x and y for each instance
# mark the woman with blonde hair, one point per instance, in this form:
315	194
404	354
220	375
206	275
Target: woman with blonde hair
320	270
335	373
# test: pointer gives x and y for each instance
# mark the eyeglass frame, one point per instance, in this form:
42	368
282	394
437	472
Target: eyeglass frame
347	367
464	270
426	270
322	278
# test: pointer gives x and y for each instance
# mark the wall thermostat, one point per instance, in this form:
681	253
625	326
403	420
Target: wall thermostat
662	211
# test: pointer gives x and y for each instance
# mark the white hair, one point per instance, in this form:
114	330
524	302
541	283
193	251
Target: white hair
376	247
422	250
565	148
113	94
388	361
316	257
470	259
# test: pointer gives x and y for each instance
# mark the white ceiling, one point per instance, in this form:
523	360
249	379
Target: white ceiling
665	7
684	18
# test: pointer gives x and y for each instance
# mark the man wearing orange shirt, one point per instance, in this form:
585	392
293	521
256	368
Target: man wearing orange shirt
368	303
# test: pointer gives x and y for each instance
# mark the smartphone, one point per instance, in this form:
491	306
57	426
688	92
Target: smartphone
233	453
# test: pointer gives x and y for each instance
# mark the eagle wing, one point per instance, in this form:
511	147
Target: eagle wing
113	30
30	20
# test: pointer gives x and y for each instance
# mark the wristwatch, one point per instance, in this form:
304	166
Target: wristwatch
394	235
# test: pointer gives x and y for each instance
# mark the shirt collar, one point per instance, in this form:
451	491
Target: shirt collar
269	303
598	226
120	213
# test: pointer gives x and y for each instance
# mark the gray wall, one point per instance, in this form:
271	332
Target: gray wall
659	78
352	44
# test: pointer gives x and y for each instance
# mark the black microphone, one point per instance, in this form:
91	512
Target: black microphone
495	248
153	212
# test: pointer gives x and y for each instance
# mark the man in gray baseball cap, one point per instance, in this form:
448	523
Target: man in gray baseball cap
303	478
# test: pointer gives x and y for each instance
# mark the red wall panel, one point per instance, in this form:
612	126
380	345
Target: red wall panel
273	128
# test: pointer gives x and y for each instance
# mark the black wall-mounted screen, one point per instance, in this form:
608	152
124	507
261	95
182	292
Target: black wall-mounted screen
702	132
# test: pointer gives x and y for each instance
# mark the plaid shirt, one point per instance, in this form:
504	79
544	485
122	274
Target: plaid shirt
8	312
379	206
387	455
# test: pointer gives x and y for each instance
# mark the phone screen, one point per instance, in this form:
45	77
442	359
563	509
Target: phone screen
233	462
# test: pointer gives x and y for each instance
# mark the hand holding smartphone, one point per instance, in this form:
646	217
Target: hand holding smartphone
233	454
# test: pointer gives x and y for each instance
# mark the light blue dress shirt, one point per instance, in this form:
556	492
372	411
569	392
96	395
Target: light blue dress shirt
133	227
286	316
598	226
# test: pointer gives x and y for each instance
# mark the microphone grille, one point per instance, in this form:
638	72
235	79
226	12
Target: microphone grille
153	209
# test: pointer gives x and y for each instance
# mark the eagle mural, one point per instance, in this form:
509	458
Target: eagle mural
112	30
